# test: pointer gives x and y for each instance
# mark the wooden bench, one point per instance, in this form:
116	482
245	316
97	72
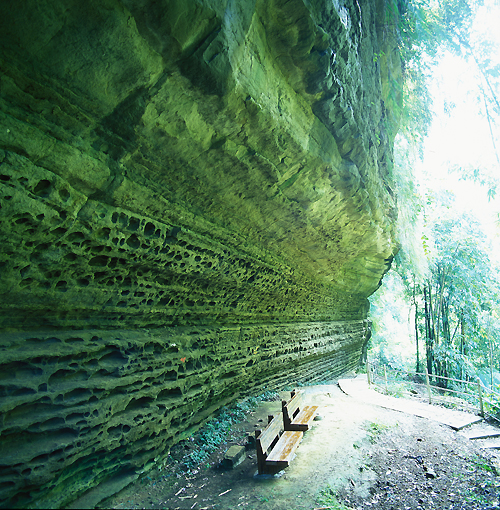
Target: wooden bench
296	415
275	446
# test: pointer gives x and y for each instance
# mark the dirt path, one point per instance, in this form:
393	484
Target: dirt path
358	454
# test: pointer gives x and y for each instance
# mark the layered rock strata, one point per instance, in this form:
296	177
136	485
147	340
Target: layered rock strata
195	201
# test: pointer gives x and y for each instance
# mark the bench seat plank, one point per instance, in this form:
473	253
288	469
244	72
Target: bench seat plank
297	415
284	449
304	418
275	446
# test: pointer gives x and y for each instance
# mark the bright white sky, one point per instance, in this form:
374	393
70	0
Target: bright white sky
462	137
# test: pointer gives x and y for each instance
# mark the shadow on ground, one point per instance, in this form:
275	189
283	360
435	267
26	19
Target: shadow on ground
357	455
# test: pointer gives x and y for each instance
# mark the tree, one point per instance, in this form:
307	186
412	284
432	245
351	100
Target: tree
443	261
461	284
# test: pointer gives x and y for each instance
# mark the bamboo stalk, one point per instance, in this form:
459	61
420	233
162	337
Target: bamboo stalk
428	386
385	377
480	395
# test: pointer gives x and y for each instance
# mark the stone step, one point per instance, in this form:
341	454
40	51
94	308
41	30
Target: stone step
481	431
483	435
490	445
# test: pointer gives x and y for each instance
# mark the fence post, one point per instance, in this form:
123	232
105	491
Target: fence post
368	373
480	395
385	377
428	386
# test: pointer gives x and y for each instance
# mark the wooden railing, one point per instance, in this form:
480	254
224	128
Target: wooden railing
472	396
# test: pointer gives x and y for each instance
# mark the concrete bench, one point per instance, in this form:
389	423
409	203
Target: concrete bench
275	446
297	415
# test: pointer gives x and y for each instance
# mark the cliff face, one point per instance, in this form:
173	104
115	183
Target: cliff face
194	202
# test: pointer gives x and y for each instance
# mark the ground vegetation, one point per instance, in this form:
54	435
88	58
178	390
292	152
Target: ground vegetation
376	458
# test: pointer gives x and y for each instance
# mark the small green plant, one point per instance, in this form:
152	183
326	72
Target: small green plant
376	56
481	463
218	431
327	498
374	430
399	390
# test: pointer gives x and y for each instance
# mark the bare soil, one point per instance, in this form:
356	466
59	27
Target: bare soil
356	456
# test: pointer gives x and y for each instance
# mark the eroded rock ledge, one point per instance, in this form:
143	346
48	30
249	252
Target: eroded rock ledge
195	201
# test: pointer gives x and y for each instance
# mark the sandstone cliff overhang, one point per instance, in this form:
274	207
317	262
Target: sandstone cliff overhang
195	199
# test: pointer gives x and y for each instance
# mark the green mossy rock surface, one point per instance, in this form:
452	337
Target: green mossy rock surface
195	203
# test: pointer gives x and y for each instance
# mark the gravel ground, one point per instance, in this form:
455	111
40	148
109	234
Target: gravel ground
356	456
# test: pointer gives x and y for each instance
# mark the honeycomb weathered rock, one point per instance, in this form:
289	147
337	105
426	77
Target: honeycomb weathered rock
75	262
195	202
78	407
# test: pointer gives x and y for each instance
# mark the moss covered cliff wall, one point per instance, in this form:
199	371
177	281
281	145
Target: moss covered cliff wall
195	200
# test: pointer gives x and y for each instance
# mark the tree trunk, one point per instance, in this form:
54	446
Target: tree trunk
416	337
428	330
463	347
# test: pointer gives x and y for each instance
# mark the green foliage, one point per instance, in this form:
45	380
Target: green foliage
218	430
374	429
457	305
411	263
327	498
466	283
428	30
398	390
475	495
480	463
391	342
448	310
424	30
